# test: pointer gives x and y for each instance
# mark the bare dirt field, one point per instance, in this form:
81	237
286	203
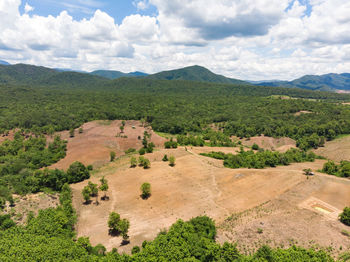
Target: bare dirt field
272	199
99	138
336	150
279	144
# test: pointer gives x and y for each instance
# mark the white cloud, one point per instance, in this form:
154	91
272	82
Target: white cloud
28	8
141	5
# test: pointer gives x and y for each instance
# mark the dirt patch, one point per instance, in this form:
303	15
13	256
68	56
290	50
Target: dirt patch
197	186
306	215
99	138
279	144
336	150
30	203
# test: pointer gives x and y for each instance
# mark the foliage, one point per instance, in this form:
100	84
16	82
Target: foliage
133	162
145	190
165	158
142	151
341	170
345	216
104	186
86	192
170	144
112	155
144	162
6	222
171	161
93	188
249	159
130	151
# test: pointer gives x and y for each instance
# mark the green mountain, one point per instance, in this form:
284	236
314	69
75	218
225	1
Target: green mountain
21	74
111	74
328	82
195	73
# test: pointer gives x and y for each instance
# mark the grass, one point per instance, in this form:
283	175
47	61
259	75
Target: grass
104	122
342	136
165	135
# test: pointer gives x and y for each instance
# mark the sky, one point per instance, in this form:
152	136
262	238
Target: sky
244	39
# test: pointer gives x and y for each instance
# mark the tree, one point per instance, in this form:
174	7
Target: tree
121	129
77	172
71	132
165	158
86	192
81	130
142	151
146	163
145	190
94	190
113	222
112	155
345	216
104	187
150	147
124	225
133	162
171	161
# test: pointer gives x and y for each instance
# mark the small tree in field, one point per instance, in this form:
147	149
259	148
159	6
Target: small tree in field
71	132
133	162
171	161
345	216
86	194
104	187
121	129
165	158
112	155
113	222
145	190
146	163
94	190
124	225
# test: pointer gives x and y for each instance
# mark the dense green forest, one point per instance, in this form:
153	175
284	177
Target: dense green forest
179	107
341	170
50	236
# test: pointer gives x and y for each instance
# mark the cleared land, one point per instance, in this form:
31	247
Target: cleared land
278	206
99	138
282	144
337	150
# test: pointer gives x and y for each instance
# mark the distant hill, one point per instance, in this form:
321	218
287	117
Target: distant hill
195	73
21	74
2	62
328	82
111	74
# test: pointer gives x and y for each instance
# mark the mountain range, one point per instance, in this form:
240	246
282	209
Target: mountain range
22	74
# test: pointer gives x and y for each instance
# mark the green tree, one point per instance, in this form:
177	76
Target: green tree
77	172
104	187
121	129
113	222
86	192
345	216
123	227
142	151
165	158
81	130
145	190
133	162
171	161
112	155
71	132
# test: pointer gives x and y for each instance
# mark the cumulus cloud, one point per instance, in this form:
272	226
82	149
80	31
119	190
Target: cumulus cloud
28	8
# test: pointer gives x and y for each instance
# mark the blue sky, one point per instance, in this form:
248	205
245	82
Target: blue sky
245	39
118	9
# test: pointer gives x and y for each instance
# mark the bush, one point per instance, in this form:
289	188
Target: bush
255	147
345	216
171	161
90	167
71	132
112	155
142	151
81	130
133	162
165	158
113	222
145	190
77	172
135	249
130	151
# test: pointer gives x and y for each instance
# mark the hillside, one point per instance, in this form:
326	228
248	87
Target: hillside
195	73
21	74
111	74
328	82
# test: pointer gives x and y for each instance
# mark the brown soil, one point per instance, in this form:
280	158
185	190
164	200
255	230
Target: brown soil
99	138
279	144
336	150
199	185
30	203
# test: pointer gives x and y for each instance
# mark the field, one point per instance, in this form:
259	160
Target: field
273	205
336	150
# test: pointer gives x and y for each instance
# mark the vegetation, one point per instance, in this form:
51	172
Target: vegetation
165	158
171	161
112	155
118	226
144	162
104	187
345	216
86	192
145	190
341	170
170	144
250	159
133	162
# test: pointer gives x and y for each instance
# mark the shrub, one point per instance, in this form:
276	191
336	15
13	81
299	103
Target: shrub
77	172
81	130
130	151
142	151
133	162
112	155
345	216
171	161
165	158
135	249
71	132
145	190
255	147
86	193
113	222
90	167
